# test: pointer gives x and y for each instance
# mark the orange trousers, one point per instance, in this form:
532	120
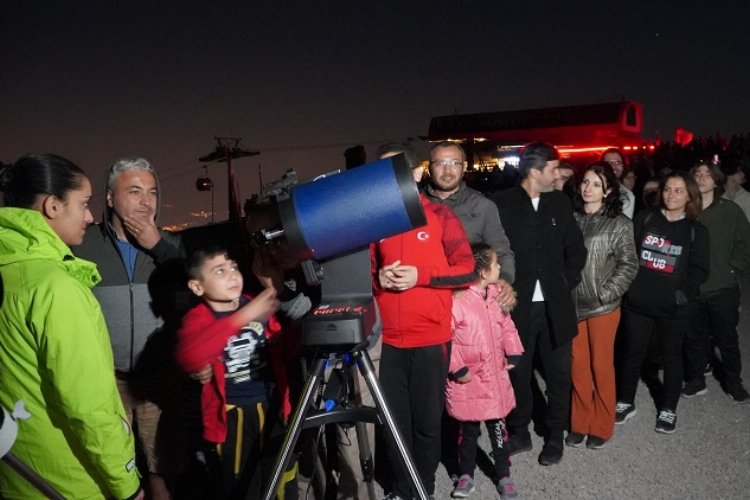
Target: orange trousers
592	408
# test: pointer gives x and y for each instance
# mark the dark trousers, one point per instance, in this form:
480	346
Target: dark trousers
715	315
669	333
556	366
245	456
413	382
467	447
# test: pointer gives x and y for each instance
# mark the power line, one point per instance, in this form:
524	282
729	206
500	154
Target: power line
279	149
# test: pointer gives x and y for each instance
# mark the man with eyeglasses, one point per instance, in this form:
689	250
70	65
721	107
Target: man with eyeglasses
414	274
478	215
616	160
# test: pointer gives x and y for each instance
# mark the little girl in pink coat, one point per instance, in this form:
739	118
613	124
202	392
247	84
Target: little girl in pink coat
485	345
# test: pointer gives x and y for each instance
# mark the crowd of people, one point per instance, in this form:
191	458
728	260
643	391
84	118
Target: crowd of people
113	334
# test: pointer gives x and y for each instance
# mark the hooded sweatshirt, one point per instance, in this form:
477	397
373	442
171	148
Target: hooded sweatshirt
55	356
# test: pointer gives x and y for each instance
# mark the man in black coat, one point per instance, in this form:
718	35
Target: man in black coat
549	252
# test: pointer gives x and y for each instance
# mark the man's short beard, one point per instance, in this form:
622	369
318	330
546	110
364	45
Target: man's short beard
446	190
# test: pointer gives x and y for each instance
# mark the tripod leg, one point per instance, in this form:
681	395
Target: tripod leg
31	476
368	373
295	427
365	458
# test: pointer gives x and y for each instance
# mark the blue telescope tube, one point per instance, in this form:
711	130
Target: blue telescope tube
350	210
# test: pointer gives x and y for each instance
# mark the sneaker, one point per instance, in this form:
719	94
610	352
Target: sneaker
595	442
506	488
574	439
666	423
519	443
694	388
708	369
393	496
464	487
624	411
739	394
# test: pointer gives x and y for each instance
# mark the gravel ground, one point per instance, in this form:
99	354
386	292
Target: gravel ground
708	456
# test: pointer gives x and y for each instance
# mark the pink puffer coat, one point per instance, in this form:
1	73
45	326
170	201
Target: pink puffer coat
483	335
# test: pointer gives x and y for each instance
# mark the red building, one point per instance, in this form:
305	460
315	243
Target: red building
579	132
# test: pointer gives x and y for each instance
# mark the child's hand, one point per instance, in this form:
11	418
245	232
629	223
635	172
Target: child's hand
268	274
509	367
464	379
263	305
203	375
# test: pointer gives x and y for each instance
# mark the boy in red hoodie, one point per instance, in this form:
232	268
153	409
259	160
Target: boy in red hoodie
229	342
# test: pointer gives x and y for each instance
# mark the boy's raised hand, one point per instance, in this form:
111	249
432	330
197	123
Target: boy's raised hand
269	275
263	305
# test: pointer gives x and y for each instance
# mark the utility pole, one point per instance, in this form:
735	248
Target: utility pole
227	149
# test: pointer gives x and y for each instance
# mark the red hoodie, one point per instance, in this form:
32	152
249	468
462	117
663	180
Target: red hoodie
421	316
201	341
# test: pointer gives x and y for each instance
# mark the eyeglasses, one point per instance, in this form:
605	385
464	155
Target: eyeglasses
447	163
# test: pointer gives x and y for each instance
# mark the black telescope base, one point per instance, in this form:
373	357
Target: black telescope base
305	416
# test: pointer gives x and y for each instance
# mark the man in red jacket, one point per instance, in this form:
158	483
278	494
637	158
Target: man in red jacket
413	277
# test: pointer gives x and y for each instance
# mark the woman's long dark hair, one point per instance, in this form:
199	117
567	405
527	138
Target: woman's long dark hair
39	174
613	201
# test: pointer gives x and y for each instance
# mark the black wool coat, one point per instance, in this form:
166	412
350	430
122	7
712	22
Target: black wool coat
548	247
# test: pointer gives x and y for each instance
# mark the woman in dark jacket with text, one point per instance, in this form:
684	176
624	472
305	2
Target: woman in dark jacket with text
611	265
673	251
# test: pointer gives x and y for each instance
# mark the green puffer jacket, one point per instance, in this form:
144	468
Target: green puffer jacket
55	356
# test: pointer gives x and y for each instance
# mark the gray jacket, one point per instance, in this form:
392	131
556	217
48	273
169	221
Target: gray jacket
481	222
611	264
141	314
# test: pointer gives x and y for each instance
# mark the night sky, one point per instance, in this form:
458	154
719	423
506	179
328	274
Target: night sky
302	81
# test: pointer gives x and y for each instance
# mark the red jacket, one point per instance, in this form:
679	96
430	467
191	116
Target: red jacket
201	341
421	316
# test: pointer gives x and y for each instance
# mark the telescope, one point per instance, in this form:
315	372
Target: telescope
328	225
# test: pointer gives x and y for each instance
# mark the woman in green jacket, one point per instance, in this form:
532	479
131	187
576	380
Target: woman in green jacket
54	348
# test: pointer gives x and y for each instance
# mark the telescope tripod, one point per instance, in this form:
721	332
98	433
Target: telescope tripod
305	416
